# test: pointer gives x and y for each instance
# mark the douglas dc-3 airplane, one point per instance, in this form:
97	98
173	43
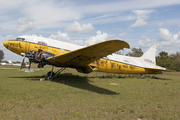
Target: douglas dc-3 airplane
98	57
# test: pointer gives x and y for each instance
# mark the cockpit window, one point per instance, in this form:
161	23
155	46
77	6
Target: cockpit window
20	39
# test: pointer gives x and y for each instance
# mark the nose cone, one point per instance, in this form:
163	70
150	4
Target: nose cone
5	44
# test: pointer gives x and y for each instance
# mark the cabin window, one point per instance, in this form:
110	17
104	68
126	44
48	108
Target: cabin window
20	39
42	43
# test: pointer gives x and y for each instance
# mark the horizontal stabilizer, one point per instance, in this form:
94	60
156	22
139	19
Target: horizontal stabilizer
157	70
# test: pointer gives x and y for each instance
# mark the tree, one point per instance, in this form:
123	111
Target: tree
171	61
163	60
163	55
1	54
178	57
136	52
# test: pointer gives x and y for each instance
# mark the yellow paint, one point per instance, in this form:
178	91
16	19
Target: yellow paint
18	47
110	66
101	65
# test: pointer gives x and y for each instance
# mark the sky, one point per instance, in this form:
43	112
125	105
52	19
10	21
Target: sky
141	23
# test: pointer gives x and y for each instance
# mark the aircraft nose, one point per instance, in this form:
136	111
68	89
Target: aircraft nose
5	44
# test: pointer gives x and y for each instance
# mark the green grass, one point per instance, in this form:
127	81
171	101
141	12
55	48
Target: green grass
73	95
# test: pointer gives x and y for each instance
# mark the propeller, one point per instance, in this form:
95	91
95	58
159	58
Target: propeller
29	64
24	54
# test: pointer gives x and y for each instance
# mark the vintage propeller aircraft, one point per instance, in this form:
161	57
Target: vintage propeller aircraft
98	57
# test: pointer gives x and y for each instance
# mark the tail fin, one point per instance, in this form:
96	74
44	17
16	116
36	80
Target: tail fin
149	56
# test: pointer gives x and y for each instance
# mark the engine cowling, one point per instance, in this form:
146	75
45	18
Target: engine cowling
39	56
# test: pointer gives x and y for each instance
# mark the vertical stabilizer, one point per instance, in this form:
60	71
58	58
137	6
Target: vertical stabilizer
149	56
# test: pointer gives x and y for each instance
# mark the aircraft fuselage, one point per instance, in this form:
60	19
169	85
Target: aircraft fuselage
103	65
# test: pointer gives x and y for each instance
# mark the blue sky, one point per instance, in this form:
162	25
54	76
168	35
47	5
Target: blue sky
141	23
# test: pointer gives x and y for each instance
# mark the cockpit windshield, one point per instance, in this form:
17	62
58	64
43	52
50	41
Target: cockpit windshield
20	39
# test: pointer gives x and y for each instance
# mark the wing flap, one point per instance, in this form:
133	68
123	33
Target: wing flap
86	55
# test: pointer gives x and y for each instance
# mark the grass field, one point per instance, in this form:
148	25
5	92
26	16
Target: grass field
96	96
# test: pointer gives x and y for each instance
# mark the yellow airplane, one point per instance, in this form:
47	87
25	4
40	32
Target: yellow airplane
98	57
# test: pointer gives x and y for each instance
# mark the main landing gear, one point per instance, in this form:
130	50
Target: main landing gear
51	75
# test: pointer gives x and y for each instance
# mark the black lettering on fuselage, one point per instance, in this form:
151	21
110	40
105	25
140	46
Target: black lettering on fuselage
149	61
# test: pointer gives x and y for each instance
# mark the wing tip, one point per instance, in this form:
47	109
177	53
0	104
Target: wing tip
126	45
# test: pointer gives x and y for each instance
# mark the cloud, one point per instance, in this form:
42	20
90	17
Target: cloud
160	24
24	25
99	38
77	28
92	40
165	35
142	15
122	34
49	14
139	22
114	6
145	42
168	42
60	36
168	39
65	37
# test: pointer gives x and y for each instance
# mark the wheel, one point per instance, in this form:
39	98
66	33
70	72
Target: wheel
49	76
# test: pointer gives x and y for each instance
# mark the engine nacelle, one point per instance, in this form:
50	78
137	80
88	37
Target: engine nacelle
87	69
39	56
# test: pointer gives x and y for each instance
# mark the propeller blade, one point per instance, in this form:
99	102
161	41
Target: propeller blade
22	63
29	64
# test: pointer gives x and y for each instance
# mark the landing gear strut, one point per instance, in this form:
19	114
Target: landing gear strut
51	75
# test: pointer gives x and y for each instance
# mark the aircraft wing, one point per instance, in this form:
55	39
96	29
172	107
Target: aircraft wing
86	55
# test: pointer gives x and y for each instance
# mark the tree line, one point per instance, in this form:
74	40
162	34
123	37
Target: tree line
171	61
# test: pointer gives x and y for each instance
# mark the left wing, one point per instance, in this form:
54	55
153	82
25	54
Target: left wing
86	55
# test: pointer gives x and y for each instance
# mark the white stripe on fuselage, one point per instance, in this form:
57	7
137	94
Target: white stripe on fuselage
52	43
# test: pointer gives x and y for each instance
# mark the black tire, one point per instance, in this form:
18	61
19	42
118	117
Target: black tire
48	75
